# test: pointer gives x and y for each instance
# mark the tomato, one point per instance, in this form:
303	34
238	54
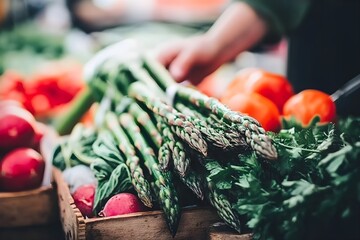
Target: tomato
12	87
307	104
270	85
210	86
258	107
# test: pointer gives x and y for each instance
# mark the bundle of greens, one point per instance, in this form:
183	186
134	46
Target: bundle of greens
294	184
311	192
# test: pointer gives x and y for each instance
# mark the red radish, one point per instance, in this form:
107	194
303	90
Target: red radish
16	126
21	169
15	131
122	203
84	199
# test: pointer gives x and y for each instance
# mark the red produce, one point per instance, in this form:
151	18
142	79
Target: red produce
122	203
16	128
84	199
21	169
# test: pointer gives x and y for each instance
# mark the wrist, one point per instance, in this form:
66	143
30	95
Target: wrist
238	28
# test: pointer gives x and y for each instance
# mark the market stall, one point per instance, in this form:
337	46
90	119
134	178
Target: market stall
99	141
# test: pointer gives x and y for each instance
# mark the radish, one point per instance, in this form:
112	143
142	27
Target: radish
16	128
122	203
84	199
21	169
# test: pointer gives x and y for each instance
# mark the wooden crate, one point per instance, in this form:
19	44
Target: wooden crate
29	208
222	232
194	223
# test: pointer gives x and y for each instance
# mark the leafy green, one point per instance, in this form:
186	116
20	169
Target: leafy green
110	170
75	149
311	192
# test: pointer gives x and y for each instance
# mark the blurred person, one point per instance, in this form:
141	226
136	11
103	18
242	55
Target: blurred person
13	12
323	52
92	15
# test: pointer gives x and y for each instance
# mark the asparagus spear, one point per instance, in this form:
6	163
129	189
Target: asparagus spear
163	180
167	152
223	207
139	182
144	119
164	156
218	133
182	127
194	182
252	131
162	143
180	160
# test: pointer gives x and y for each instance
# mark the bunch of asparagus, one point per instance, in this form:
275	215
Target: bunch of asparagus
161	140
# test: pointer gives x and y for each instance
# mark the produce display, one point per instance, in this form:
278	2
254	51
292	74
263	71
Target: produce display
149	149
269	161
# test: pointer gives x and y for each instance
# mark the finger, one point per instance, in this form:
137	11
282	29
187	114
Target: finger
167	53
181	65
197	74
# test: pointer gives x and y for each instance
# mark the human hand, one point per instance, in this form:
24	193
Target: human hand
190	59
238	29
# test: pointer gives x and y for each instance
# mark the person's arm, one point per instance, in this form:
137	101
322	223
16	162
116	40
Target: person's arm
244	24
237	29
281	16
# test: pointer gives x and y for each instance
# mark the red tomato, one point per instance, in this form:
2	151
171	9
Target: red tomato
208	86
307	104
270	85
12	87
258	107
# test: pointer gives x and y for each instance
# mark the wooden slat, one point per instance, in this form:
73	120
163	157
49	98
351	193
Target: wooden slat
28	208
72	221
223	232
46	232
194	225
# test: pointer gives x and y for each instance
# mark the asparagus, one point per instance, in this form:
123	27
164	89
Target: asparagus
223	207
180	160
162	143
254	134
164	156
163	180
219	134
194	182
252	131
168	151
144	119
179	123
141	185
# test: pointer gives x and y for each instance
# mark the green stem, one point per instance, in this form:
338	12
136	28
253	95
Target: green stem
80	105
300	148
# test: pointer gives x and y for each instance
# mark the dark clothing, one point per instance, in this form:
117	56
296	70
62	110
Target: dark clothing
324	43
324	51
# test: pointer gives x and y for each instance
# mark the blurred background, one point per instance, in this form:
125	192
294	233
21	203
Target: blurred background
82	25
45	43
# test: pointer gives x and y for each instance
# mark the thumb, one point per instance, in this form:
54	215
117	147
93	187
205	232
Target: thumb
182	64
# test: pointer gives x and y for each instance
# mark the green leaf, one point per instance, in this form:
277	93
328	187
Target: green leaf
119	181
224	185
